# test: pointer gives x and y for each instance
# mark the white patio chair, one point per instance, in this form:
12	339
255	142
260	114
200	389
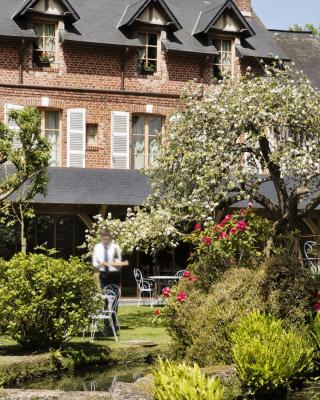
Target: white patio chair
179	274
106	314
113	291
145	287
313	262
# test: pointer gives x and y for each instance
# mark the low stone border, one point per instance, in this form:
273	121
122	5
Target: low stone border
21	394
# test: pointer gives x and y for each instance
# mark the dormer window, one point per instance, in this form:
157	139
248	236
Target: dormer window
224	61
148	55
44	52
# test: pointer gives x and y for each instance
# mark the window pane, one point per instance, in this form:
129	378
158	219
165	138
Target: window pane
53	138
52	120
152	53
138	147
155	126
143	38
142	53
153	149
152	40
38	29
138	125
226	45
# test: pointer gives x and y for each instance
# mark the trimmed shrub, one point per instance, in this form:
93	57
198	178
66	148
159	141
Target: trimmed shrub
287	289
44	301
179	381
267	356
202	326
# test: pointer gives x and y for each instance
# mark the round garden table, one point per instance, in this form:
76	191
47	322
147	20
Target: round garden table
166	280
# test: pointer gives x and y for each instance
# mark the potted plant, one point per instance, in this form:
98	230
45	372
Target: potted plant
44	59
148	69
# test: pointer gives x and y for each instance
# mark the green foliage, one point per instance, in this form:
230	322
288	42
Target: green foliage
238	240
205	337
268	356
200	168
179	381
308	27
315	337
286	289
44	301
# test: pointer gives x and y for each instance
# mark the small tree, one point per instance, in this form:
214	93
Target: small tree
244	133
308	27
24	167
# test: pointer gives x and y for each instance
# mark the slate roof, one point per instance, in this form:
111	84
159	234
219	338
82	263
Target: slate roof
304	49
95	187
262	44
207	18
26	4
99	21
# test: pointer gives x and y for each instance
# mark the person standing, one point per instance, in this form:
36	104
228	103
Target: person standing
104	254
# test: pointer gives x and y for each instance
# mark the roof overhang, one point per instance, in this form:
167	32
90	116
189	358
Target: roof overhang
133	11
208	18
27	6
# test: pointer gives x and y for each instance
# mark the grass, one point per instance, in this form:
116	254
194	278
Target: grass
137	325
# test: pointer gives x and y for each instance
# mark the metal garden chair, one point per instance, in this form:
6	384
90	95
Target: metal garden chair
313	262
144	286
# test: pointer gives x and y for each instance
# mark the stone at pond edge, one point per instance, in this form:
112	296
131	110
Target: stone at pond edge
22	394
139	390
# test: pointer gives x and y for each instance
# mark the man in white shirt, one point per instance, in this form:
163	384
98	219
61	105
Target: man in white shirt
104	254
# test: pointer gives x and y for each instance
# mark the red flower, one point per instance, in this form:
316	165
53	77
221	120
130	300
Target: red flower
233	231
223	235
156	312
242	226
182	296
198	228
166	292
316	307
207	240
194	278
187	274
226	218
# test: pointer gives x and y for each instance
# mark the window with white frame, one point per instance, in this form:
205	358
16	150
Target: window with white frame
51	130
145	149
224	61
92	134
46	43
148	54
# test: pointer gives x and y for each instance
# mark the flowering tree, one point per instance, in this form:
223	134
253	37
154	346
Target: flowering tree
221	148
146	229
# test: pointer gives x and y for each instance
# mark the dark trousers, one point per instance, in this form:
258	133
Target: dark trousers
107	278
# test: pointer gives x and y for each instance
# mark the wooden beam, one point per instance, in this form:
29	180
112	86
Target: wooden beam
103	211
314	228
86	220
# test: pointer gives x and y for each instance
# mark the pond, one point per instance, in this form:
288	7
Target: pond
310	392
91	379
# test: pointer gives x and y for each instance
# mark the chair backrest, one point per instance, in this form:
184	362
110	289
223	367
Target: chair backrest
179	274
115	288
138	276
313	261
110	292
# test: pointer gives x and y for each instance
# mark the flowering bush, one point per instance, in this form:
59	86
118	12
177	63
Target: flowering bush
238	240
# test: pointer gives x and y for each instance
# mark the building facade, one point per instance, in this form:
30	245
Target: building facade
105	76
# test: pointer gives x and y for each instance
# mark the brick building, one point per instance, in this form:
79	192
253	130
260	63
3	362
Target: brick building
105	75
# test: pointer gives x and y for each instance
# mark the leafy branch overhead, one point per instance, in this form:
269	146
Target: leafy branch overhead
29	160
245	139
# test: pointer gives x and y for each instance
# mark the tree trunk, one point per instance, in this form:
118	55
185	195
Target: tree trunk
23	239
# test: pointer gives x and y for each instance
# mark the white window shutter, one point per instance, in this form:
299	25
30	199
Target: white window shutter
76	127
12	125
120	140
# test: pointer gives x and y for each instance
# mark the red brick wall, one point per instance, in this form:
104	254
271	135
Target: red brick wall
93	67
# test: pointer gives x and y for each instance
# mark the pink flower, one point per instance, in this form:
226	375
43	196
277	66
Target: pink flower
318	293
187	274
219	226
198	228
233	231
182	296
242	226
156	312
207	240
316	307
223	235
226	218
250	204
194	278
166	292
